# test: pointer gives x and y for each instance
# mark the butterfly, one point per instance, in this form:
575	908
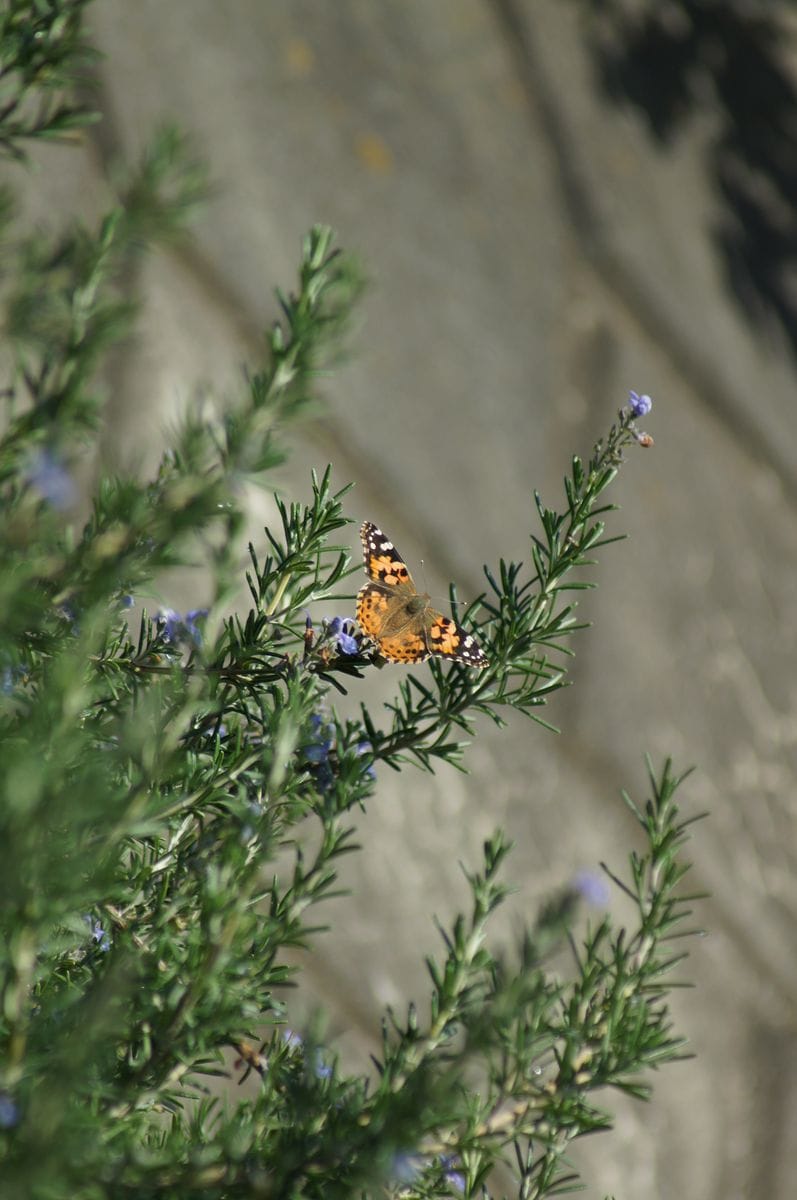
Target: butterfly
400	619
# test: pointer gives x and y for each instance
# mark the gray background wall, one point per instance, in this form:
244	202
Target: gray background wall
532	256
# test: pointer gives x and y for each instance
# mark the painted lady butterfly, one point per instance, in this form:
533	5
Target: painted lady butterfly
399	618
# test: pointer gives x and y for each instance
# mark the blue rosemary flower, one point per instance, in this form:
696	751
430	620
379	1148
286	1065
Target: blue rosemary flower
341	629
322	735
8	679
194	623
322	1070
9	1113
640	405
316	751
169	623
449	1163
295	1041
406	1167
185	631
592	888
69	613
48	475
98	933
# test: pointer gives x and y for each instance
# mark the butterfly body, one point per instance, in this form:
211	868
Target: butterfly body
399	618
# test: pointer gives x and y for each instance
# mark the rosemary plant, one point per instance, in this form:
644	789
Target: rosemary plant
155	767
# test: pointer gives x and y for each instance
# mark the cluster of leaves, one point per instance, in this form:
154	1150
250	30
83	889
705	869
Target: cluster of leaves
42	55
546	1045
174	802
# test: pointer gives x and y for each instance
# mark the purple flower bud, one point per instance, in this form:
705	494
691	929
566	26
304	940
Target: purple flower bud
640	405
